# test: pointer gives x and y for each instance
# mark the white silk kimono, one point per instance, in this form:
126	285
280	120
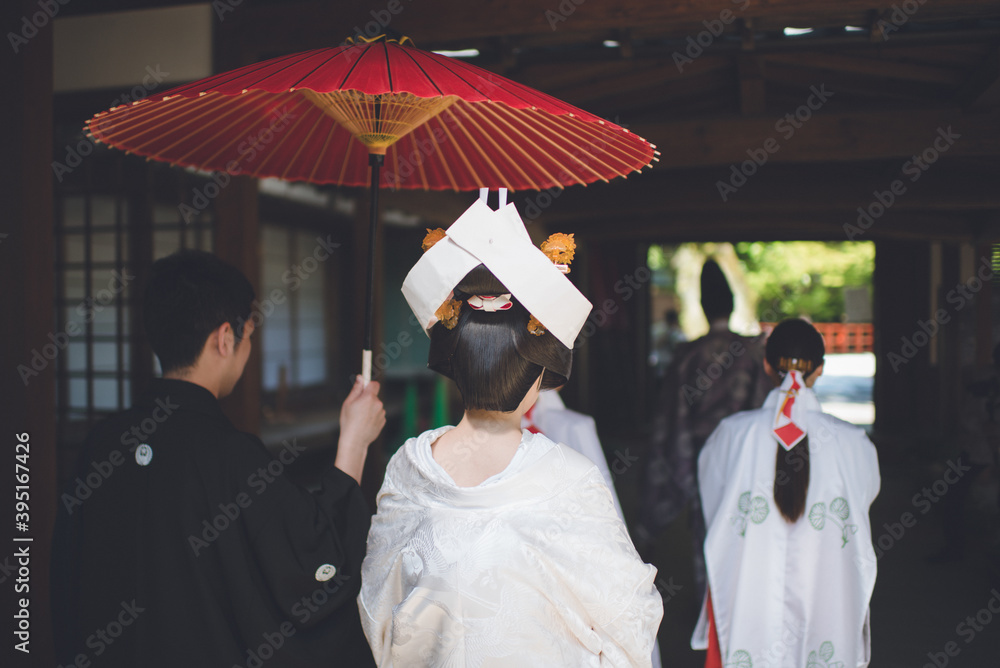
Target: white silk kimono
550	416
532	567
788	595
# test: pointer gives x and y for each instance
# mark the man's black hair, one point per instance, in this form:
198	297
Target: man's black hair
189	295
491	356
716	295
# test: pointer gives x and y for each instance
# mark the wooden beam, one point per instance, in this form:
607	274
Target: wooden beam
823	137
981	89
952	185
720	226
867	92
752	84
956	186
441	20
869	63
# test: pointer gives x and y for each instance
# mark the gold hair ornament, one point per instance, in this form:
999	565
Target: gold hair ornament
448	313
795	364
560	248
432	237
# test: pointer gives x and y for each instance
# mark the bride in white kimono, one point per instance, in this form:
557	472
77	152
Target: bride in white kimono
493	546
791	566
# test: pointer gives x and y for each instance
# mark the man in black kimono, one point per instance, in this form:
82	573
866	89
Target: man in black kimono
181	542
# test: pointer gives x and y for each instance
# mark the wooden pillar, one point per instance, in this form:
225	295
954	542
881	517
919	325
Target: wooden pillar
949	338
139	189
577	393
27	274
237	242
904	381
984	308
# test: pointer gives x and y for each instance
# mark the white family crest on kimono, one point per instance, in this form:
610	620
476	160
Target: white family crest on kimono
788	595
532	567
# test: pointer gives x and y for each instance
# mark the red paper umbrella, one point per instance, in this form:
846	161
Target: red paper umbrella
329	115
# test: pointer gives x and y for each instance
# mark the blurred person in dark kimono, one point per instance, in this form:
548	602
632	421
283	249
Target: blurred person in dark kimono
711	378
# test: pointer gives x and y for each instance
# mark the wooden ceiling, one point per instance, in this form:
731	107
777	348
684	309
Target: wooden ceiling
896	74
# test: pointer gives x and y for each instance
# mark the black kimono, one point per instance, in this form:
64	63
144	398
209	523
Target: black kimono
182	543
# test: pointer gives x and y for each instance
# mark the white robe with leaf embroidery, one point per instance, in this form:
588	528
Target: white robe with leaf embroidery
532	567
788	595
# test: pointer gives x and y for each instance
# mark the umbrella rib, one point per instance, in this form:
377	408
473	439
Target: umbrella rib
223	131
420	167
611	137
285	135
444	163
322	151
580	131
567	132
236	74
151	113
463	79
487	96
488	109
302	145
313	71
356	63
612	141
496	146
424	72
388	66
559	130
523	93
164	117
347	156
458	149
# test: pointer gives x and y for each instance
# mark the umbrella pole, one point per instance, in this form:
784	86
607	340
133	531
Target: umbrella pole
375	161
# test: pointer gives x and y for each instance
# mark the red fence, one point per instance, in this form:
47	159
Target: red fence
840	337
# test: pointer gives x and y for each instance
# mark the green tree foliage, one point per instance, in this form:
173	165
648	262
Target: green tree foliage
805	278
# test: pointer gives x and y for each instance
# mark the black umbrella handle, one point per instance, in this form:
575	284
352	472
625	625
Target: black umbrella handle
375	161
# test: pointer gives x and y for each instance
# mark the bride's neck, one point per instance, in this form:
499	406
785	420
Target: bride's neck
491	423
480	446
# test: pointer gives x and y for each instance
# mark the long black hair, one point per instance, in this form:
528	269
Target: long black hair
491	356
793	345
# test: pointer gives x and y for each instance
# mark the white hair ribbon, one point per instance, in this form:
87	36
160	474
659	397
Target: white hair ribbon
490	303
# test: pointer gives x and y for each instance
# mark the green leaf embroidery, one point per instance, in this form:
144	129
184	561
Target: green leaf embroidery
759	509
839	512
744	502
755	509
840	508
822	658
740	659
817	516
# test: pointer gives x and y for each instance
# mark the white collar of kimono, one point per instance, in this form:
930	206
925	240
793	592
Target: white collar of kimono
499	240
537	471
791	402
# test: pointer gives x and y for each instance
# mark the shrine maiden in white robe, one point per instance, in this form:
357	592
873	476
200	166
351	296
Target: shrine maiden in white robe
532	567
788	595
